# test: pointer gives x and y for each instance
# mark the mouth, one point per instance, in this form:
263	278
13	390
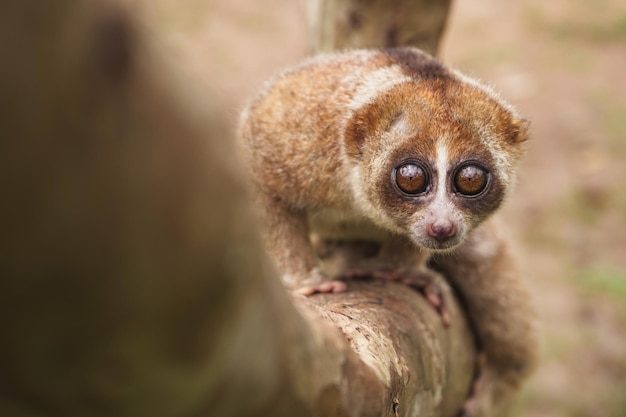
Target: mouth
437	246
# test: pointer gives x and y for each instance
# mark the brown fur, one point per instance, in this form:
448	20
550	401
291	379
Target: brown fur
322	142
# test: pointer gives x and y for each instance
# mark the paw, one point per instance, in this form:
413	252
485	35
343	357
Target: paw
426	282
325	287
316	282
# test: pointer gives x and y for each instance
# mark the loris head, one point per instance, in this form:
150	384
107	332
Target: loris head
432	154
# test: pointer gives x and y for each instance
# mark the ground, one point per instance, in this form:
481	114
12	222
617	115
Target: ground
563	63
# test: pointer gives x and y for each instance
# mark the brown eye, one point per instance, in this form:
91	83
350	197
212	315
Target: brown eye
470	180
411	178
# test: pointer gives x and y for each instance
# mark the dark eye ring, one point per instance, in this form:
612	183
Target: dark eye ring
471	179
411	177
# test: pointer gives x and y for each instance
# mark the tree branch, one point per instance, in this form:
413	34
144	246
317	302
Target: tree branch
133	281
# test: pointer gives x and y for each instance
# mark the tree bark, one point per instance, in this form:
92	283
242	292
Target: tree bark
133	280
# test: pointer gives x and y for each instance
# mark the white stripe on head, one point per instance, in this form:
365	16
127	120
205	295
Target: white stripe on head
441	164
373	84
442	207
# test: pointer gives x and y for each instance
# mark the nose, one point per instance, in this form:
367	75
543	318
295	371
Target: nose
442	230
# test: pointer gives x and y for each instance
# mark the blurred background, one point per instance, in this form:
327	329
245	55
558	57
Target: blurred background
563	63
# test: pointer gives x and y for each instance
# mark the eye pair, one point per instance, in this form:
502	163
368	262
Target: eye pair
469	179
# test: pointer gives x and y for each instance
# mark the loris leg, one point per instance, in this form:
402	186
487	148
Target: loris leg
500	312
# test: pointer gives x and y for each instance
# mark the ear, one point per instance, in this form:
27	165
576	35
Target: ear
518	131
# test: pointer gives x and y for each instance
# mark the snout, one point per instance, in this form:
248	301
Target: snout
440	234
442	230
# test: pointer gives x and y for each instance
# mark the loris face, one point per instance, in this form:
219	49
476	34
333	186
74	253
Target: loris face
438	197
434	171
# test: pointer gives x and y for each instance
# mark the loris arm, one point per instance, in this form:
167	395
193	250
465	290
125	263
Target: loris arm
287	240
483	271
286	237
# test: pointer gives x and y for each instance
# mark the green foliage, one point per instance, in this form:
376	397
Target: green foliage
605	279
621	25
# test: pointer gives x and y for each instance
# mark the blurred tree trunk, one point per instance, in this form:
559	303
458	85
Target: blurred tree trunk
340	24
132	278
